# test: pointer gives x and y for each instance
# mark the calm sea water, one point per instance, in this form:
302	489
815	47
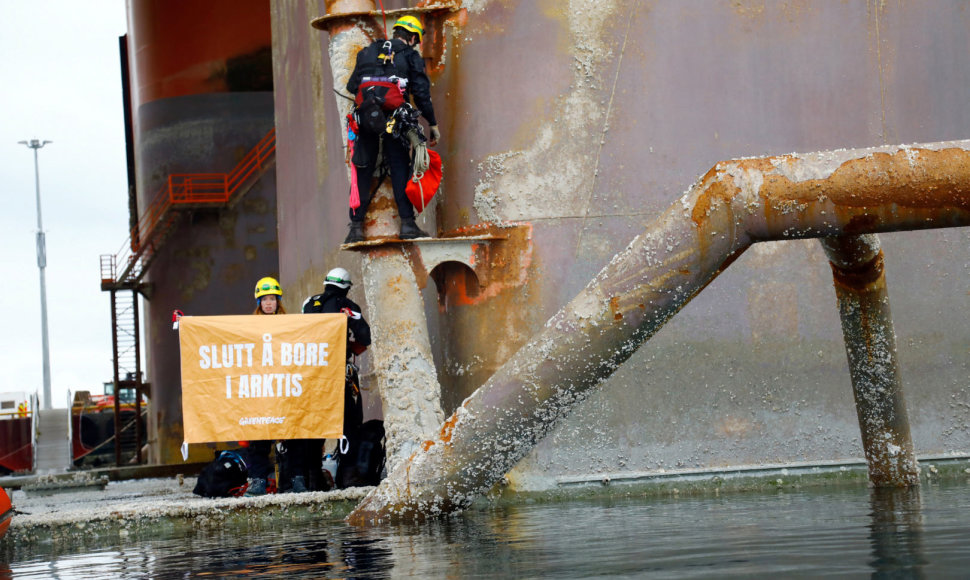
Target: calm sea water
840	533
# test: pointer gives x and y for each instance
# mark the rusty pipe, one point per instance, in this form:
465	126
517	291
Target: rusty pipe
352	27
870	344
347	37
732	206
403	363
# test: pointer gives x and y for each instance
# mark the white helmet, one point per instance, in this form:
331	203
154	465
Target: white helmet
338	277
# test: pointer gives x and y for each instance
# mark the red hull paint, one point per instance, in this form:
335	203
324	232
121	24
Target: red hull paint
16	453
90	430
6	512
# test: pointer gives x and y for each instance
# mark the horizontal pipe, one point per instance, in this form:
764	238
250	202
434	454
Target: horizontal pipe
732	206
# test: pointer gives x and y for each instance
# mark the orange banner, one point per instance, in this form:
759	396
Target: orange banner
263	377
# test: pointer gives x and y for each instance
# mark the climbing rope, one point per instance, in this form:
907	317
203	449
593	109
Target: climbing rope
384	14
421	160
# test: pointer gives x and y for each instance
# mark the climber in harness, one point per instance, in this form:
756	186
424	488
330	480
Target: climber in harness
387	75
334	300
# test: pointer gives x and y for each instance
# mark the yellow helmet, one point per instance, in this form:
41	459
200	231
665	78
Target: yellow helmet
411	24
266	286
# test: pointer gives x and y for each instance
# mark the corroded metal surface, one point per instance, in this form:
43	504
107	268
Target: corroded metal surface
870	343
347	37
586	129
403	363
734	205
199	106
405	370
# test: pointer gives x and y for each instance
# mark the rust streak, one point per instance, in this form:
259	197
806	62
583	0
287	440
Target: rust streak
448	428
862	277
903	179
615	308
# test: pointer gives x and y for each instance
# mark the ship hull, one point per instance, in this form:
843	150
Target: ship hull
6	512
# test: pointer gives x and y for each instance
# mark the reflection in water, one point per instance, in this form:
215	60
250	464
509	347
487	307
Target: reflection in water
319	553
315	549
896	533
788	533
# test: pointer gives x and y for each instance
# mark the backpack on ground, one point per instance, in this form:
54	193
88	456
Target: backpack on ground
364	460
224	477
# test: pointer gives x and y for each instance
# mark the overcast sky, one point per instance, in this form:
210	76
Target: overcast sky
60	71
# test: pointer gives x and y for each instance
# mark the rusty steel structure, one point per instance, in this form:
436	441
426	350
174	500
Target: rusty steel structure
403	363
202	195
736	204
858	267
567	128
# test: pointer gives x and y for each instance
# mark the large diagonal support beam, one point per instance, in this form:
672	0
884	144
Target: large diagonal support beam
736	204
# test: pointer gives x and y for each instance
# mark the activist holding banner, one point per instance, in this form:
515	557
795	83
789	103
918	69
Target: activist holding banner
263	378
334	300
269	300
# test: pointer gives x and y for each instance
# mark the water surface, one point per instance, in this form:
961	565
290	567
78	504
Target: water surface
839	533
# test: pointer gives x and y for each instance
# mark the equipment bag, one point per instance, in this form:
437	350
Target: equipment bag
364	460
422	187
370	116
224	477
376	98
384	90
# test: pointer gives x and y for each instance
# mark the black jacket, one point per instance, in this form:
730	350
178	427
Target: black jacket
407	63
334	302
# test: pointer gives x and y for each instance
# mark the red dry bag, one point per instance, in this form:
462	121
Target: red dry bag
421	188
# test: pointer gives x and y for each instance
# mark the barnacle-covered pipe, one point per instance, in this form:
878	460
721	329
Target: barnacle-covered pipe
870	343
735	204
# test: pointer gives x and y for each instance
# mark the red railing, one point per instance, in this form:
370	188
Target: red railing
220	187
184	189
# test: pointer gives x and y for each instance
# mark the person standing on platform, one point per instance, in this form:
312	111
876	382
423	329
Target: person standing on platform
334	300
396	67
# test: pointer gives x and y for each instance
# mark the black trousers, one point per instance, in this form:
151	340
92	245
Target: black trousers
301	457
257	458
398	157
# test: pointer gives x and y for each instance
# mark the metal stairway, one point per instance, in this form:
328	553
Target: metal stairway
181	191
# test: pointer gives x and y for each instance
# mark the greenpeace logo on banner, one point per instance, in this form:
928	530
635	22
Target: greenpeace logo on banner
261	420
247	378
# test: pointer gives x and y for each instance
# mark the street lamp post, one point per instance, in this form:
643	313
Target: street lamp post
36	144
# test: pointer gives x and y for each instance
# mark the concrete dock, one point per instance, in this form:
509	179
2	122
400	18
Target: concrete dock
56	509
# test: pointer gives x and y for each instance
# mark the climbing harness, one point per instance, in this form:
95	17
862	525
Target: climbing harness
381	108
386	91
403	121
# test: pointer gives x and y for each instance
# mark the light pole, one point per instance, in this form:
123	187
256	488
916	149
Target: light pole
36	144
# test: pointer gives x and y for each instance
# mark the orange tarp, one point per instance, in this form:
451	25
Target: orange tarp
263	377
